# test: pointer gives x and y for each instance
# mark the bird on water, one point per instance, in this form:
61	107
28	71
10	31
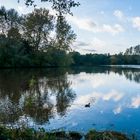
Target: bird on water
87	105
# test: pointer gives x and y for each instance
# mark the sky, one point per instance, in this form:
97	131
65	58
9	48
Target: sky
101	26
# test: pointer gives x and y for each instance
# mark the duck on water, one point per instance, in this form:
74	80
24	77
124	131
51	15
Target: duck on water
87	105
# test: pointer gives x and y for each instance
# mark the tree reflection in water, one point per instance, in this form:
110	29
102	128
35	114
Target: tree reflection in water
39	94
42	94
130	73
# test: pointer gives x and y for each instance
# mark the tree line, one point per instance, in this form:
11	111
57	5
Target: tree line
133	50
40	39
104	59
36	39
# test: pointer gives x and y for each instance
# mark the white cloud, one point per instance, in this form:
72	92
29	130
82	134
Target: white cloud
84	99
135	103
90	47
117	110
113	95
94	97
112	29
119	14
85	24
97	43
90	25
136	22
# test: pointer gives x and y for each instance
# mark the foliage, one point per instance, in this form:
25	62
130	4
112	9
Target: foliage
133	50
37	103
40	39
64	35
104	59
105	135
61	6
27	41
32	134
37	28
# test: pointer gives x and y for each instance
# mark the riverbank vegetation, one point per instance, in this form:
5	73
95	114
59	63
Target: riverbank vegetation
32	134
36	39
30	102
104	59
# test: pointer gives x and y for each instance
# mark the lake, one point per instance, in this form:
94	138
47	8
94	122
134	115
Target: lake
55	99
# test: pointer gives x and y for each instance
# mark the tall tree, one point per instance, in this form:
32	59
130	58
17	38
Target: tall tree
37	28
64	35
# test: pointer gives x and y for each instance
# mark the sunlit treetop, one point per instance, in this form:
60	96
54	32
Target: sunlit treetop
61	6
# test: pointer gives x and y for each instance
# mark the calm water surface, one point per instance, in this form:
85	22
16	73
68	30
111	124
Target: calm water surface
56	98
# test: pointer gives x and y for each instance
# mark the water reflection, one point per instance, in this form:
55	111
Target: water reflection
38	94
55	98
130	73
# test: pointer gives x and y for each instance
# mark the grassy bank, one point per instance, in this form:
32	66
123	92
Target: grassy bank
31	134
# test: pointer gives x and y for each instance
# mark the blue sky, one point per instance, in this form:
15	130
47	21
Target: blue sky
104	26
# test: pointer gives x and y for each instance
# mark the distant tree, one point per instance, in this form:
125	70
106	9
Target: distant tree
133	50
137	50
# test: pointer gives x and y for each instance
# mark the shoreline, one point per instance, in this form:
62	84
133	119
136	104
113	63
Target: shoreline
78	66
41	134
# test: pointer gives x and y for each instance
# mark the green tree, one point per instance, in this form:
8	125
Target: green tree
61	6
10	19
14	34
64	35
13	18
3	18
37	28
